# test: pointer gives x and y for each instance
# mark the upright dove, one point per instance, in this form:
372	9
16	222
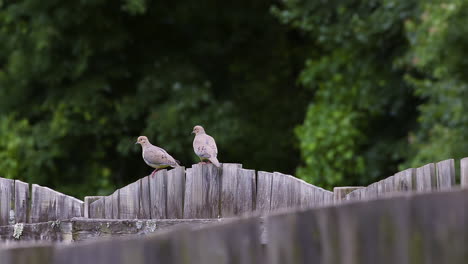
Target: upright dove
154	156
205	146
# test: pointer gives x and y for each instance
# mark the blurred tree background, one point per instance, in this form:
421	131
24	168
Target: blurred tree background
334	92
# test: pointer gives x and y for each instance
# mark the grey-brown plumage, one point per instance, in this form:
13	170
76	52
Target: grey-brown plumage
155	156
205	146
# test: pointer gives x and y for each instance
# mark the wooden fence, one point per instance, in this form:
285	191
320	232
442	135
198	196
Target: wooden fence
430	177
205	191
20	205
405	228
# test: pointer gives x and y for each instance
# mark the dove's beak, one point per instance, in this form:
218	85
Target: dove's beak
136	142
193	132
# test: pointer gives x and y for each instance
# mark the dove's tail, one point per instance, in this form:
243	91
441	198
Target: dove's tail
215	161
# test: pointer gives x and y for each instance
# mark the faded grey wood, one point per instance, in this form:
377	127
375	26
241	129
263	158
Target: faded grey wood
43	204
21	201
371	191
354	195
464	172
145	200
7	194
390	185
202	191
237	190
426	178
175	193
318	196
27	253
404	180
77	207
445	174
57	231
88	229
285	191
339	193
307	194
264	183
234	242
115	198
158	194
327	197
230	178
129	201
87	201
108	207
97	209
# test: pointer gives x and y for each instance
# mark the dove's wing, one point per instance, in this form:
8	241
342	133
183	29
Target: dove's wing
155	156
211	145
205	146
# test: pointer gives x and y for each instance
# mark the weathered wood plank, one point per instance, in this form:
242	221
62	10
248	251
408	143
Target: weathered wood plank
445	174
263	199
77	207
339	193
129	197
464	172
87	201
390	185
175	193
285	191
107	207
354	195
231	242
229	181
237	190
404	180
426	178
145	199
115	201
27	254
43	204
202	192
307	194
21	201
87	229
97	209
7	194
46	231
158	194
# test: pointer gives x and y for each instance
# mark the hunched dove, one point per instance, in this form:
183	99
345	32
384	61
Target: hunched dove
154	156
205	146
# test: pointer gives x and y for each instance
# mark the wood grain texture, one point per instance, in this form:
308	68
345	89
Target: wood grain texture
7	196
158	194
426	178
464	172
263	199
55	231
87	201
145	199
307	194
233	242
108	207
405	180
43	204
22	198
285	191
115	198
445	174
202	192
238	190
129	201
97	209
175	193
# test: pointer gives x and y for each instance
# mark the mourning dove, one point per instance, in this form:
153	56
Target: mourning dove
154	156
205	146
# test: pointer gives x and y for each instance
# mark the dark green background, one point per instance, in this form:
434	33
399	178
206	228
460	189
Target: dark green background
335	92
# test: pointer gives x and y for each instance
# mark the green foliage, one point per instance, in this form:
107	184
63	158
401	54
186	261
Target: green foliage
439	39
81	80
362	107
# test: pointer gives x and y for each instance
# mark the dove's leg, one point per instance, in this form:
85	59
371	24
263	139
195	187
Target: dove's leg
156	170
